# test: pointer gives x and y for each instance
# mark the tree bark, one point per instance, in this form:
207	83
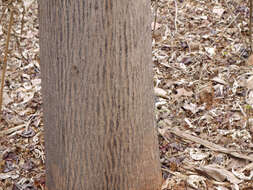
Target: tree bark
97	95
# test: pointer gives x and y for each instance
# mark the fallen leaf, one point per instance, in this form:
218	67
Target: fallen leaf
197	182
219	174
219	80
210	51
218	11
250	60
197	154
27	3
191	107
182	92
161	93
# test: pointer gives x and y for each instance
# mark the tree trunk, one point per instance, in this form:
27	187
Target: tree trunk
97	93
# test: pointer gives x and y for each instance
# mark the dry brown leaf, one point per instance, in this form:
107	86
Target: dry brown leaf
206	95
217	10
160	92
197	182
183	92
6	98
28	3
192	107
250	60
197	154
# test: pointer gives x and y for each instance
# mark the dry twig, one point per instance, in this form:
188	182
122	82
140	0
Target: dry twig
4	9
22	21
208	144
175	22
5	59
156	10
250	26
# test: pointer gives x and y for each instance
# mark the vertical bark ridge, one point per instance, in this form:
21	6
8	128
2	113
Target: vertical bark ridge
97	92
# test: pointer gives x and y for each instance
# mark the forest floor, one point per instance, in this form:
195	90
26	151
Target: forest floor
203	83
22	157
204	96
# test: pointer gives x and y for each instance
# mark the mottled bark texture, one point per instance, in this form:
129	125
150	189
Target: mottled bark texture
97	93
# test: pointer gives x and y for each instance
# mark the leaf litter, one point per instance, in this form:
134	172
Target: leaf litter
203	87
202	63
22	157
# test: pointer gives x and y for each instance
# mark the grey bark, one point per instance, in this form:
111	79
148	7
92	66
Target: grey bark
97	94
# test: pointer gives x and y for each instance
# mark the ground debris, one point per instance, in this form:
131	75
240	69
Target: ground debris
201	55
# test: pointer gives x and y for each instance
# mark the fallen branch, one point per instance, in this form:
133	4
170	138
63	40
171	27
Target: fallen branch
11	130
208	144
